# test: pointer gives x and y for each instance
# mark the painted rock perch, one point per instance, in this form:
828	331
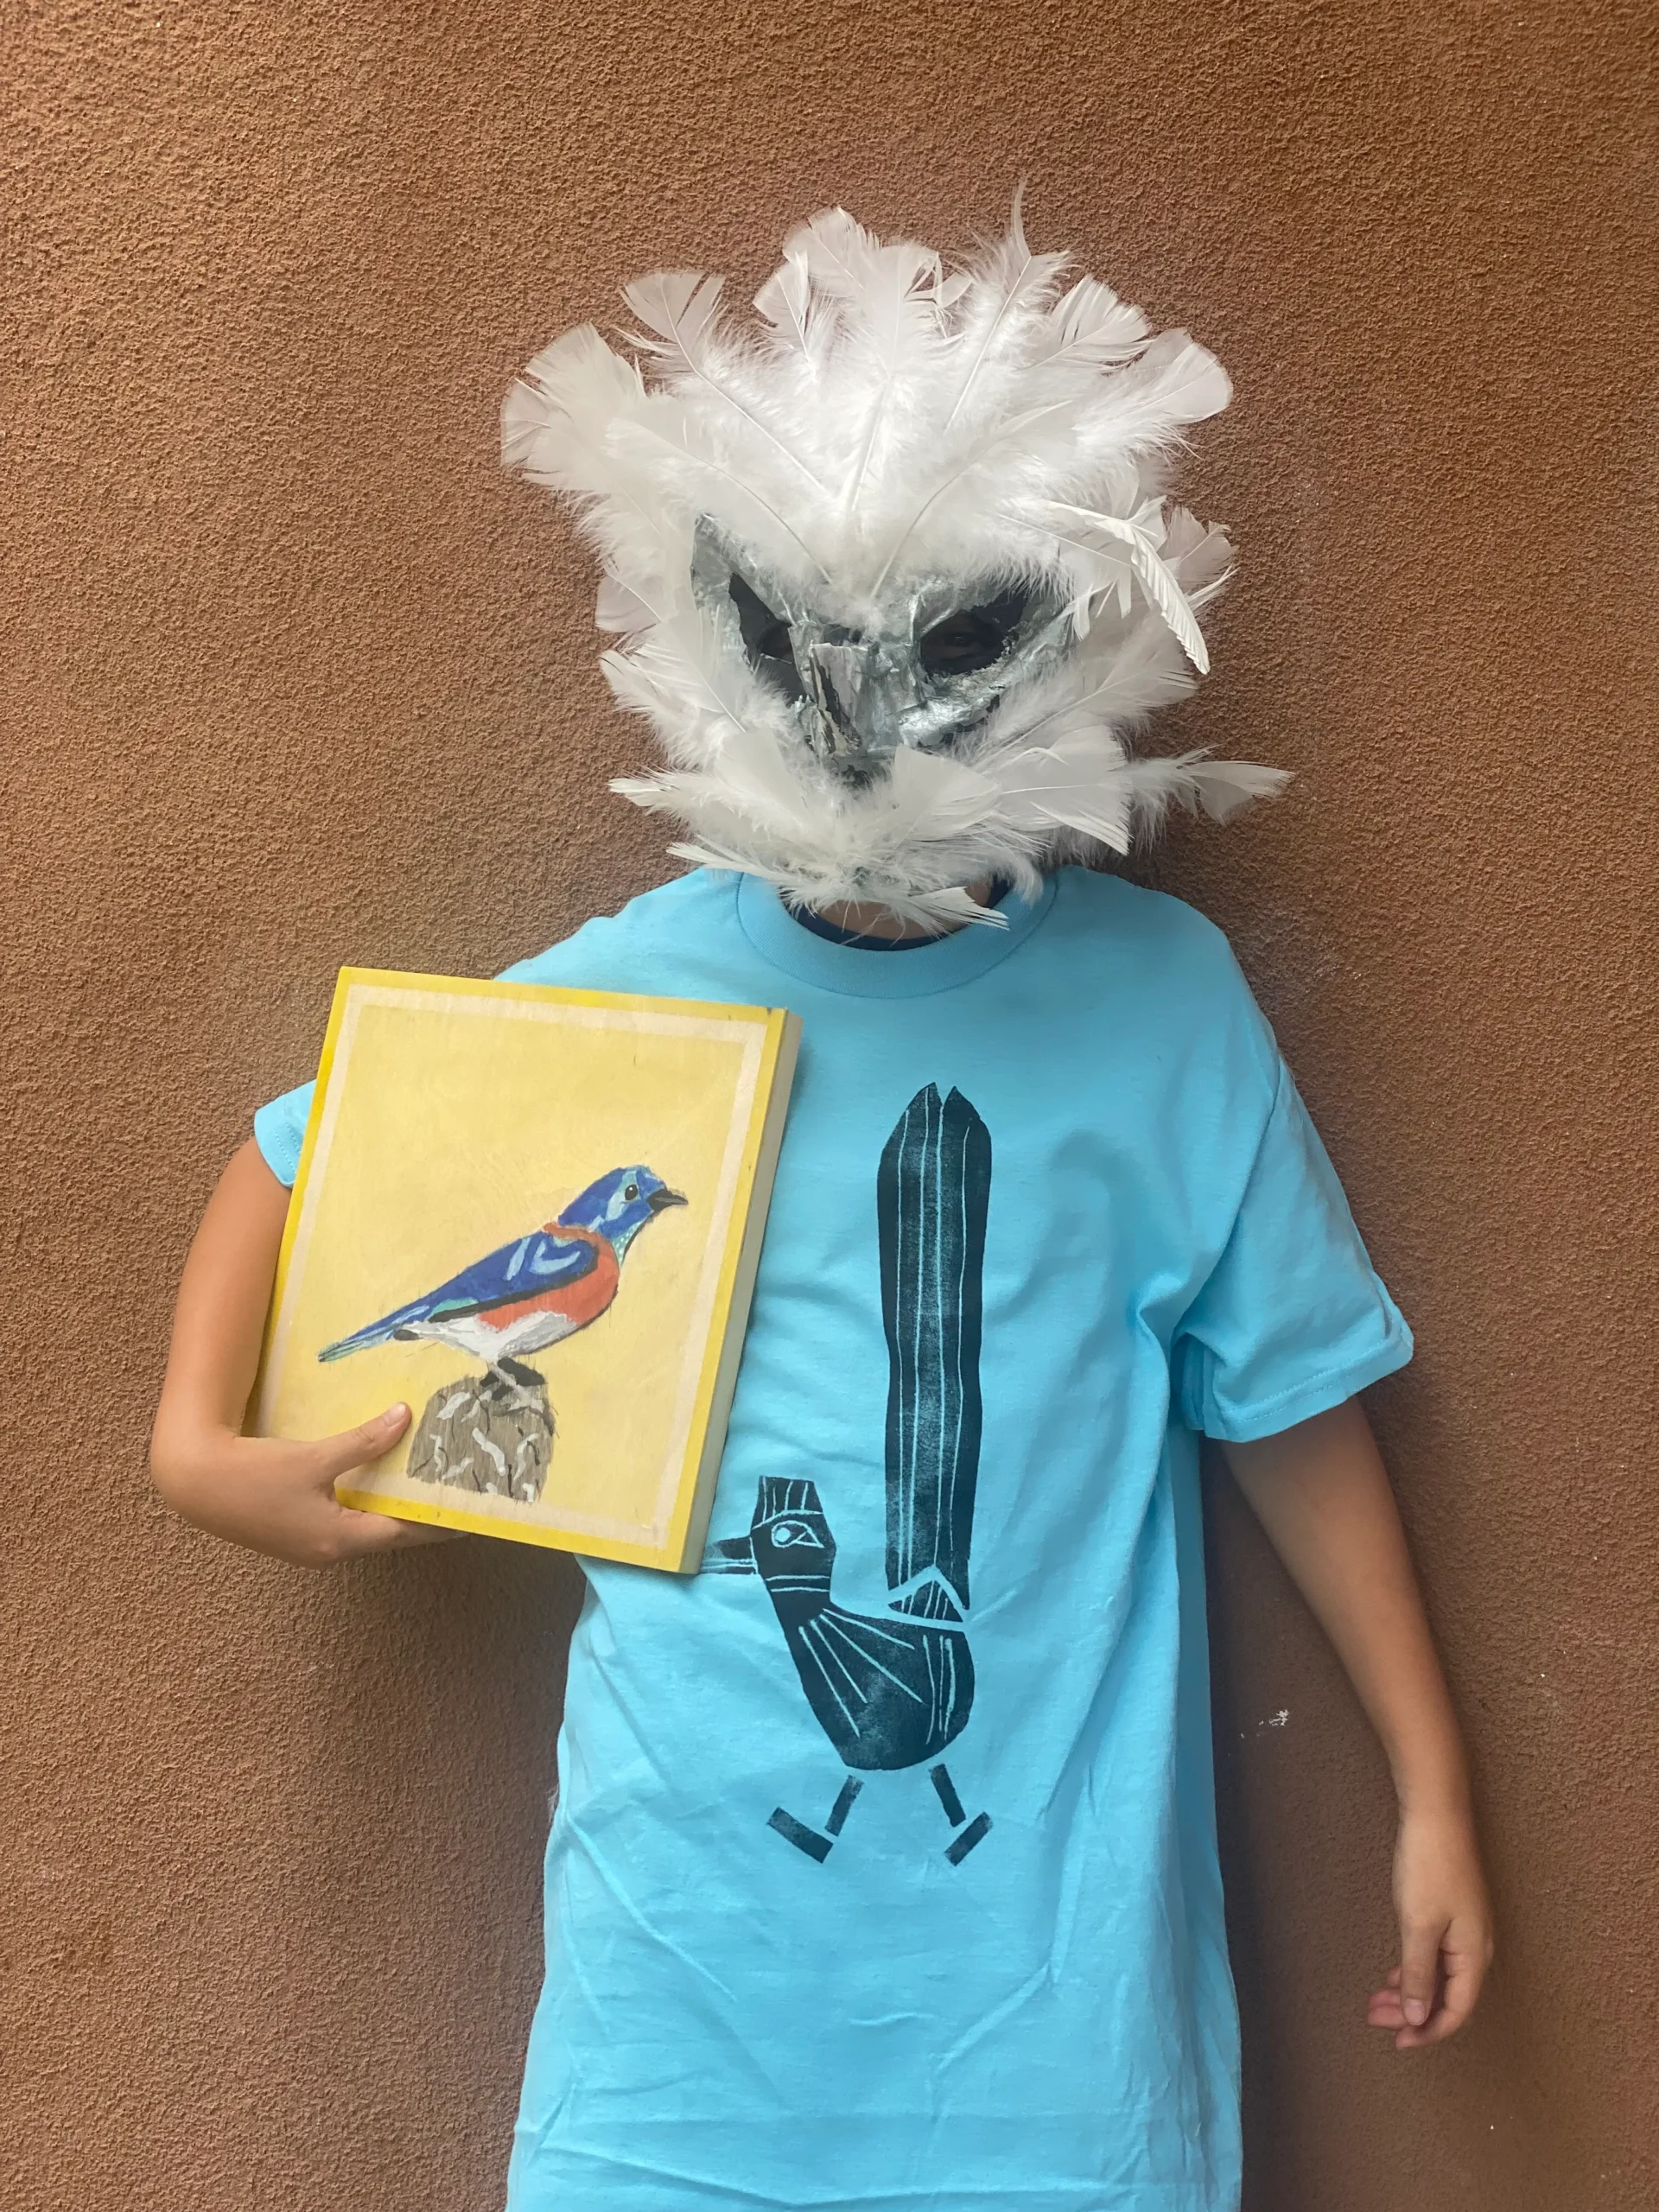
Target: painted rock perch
492	1435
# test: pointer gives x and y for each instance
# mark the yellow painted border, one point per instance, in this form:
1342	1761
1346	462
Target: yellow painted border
707	1434
681	1552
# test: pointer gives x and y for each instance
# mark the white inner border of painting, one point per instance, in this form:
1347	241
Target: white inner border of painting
750	1034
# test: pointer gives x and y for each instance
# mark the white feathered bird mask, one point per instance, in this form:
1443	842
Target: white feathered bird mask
895	573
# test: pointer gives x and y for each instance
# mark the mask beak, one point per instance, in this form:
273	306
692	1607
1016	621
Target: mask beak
660	1201
848	708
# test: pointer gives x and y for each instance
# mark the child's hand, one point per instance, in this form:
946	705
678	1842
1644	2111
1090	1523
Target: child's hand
1446	1931
274	1497
279	1498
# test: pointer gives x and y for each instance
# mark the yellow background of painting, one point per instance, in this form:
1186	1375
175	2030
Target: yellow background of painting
456	1133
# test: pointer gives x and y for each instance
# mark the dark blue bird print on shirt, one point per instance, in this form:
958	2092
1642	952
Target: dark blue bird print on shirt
891	1690
932	1194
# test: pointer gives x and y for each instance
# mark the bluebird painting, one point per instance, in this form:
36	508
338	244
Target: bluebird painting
893	1690
495	1434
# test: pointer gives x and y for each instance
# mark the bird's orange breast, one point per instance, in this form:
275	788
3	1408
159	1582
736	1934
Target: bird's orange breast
579	1302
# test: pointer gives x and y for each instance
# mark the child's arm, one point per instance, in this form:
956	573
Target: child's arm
274	1497
1322	1494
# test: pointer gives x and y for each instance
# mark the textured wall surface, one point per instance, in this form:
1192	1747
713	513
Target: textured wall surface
293	676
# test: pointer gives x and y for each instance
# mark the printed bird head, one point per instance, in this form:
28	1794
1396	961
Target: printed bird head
894	569
789	1537
620	1203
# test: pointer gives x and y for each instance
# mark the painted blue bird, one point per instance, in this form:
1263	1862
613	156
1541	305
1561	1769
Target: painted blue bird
538	1290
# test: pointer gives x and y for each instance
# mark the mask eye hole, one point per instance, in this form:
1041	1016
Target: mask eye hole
974	636
766	635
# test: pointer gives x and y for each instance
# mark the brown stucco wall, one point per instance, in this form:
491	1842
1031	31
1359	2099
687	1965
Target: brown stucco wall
295	677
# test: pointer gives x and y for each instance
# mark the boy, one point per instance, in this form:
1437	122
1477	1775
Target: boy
893	582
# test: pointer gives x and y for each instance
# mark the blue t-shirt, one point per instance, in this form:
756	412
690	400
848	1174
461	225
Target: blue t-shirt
883	1873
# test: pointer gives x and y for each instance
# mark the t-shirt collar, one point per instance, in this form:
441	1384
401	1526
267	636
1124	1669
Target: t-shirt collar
917	972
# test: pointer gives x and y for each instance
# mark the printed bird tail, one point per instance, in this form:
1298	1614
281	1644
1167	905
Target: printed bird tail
932	1195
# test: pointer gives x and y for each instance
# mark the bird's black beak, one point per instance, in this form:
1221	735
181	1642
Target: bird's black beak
735	1555
659	1200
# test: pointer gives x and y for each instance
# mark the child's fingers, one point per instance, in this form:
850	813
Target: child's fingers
358	1530
379	1532
1419	1969
1464	1971
410	1533
1385	2009
354	1447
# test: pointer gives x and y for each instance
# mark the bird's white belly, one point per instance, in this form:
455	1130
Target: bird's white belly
476	1334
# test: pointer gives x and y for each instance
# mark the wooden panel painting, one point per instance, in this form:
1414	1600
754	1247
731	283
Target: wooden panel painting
534	1215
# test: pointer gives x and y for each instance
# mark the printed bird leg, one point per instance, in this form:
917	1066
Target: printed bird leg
816	1845
973	1832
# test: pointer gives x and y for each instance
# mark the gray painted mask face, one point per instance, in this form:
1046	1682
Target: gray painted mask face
945	658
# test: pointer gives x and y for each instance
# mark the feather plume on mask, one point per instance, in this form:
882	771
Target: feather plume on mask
894	575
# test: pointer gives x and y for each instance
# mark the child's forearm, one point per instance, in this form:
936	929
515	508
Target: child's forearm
273	1495
1322	1494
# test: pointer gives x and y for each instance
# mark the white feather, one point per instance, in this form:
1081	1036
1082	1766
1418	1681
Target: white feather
1012	281
622	608
680	309
1200	556
1221	787
789	303
1174	382
903	334
1156	577
835	251
699	465
1092	325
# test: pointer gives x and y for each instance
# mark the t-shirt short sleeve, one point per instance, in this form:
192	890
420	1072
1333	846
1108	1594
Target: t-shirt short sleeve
279	1131
1292	1318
